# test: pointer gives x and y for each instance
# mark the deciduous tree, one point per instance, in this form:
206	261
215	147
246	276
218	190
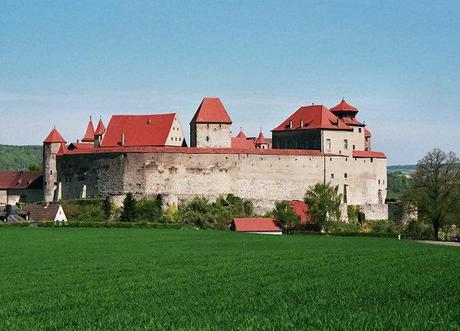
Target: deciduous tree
323	203
436	187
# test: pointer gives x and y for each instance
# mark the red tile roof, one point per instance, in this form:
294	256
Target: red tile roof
367	133
200	150
54	137
21	180
369	154
343	106
89	134
84	146
62	149
242	143
211	110
351	121
100	130
261	139
312	117
40	213
138	130
301	209
255	225
241	134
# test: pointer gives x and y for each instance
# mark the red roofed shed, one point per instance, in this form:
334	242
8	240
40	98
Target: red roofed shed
256	225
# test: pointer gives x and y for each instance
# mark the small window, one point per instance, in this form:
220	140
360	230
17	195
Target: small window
332	175
354	147
359	130
207	125
345	144
207	138
345	175
379	181
328	143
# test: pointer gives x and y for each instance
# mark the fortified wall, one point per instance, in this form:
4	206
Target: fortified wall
262	176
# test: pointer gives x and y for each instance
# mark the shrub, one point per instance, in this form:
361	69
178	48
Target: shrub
14	224
148	210
90	210
129	209
418	230
285	215
381	226
341	227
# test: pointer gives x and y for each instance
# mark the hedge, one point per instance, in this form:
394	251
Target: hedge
14	224
128	225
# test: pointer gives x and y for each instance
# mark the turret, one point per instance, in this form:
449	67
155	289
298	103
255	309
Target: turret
99	133
211	126
261	142
51	147
89	134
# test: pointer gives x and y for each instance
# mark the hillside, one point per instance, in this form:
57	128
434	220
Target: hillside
405	169
20	157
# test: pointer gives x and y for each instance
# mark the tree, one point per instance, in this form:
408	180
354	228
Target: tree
436	187
107	208
323	203
129	209
148	210
285	215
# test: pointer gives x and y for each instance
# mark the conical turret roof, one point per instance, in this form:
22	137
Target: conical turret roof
261	139
54	137
89	134
100	130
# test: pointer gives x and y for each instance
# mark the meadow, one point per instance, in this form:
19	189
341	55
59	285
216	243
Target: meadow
80	278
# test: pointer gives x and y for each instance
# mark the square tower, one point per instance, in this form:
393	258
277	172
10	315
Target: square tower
211	126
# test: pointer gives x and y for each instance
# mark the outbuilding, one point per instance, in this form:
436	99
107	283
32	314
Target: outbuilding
261	225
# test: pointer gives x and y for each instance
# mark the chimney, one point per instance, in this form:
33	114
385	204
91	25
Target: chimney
122	141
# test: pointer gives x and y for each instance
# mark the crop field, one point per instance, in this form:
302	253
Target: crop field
59	279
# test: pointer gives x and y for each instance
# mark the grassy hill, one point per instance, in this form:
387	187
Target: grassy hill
20	157
210	280
404	169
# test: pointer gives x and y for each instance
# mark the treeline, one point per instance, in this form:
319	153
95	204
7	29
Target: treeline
20	157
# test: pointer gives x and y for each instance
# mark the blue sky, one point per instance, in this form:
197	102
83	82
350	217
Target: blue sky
398	62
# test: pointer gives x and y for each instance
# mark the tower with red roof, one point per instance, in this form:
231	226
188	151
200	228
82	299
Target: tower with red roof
211	126
261	142
89	134
99	133
52	145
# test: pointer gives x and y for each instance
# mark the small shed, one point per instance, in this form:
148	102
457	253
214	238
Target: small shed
261	225
46	212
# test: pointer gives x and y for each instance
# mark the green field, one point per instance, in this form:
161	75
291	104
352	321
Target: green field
59	279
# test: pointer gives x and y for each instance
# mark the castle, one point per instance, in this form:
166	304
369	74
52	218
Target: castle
148	156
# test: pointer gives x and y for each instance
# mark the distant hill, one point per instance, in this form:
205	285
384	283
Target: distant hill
405	169
20	157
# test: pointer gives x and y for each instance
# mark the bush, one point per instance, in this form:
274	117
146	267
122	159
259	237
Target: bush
418	230
124	225
14	224
89	210
381	226
148	210
341	227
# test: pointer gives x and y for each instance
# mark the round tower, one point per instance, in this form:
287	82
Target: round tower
51	146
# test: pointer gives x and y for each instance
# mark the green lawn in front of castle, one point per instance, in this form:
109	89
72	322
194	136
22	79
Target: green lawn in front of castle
59	279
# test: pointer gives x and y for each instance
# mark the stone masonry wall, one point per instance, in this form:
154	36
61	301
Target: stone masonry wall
263	179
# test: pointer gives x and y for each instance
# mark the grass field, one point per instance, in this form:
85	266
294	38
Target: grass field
59	279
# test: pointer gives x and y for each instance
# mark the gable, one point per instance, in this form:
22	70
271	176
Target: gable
138	130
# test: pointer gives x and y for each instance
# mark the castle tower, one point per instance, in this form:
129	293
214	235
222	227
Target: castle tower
89	134
211	126
99	133
51	146
261	142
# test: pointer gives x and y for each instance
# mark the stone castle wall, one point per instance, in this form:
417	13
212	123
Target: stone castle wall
264	179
